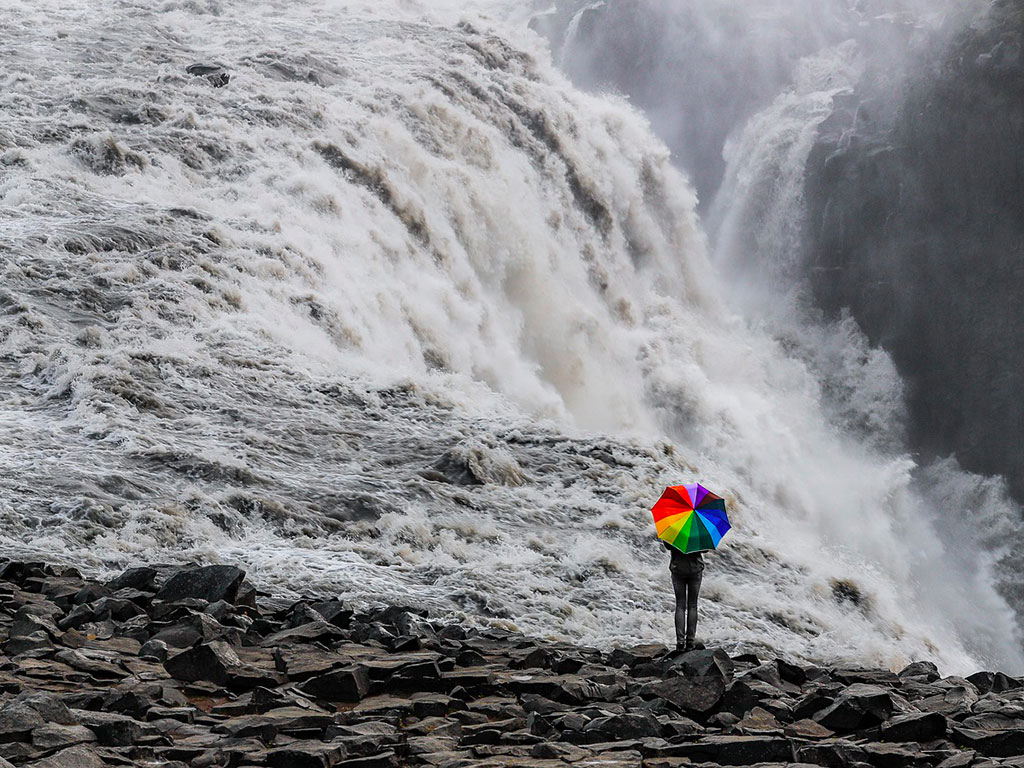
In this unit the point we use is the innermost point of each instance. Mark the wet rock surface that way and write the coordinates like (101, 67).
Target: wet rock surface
(249, 682)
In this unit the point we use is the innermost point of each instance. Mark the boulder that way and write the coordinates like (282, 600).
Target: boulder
(18, 723)
(210, 583)
(142, 578)
(744, 694)
(73, 757)
(51, 736)
(894, 755)
(306, 754)
(317, 631)
(287, 720)
(926, 726)
(995, 682)
(217, 662)
(858, 706)
(736, 750)
(831, 753)
(807, 729)
(622, 727)
(757, 721)
(923, 670)
(350, 683)
(113, 730)
(706, 663)
(214, 74)
(1005, 743)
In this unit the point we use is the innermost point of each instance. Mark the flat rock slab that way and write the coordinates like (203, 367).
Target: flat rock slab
(736, 750)
(73, 757)
(210, 583)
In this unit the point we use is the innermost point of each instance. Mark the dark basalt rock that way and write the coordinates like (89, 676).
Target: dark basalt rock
(692, 695)
(350, 683)
(218, 663)
(1006, 743)
(74, 757)
(214, 74)
(737, 750)
(315, 695)
(142, 579)
(858, 706)
(927, 726)
(112, 729)
(622, 727)
(921, 670)
(995, 682)
(52, 737)
(210, 583)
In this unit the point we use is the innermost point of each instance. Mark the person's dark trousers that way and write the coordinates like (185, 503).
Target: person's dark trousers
(686, 584)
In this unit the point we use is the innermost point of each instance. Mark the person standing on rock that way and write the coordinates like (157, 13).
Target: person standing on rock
(690, 520)
(687, 571)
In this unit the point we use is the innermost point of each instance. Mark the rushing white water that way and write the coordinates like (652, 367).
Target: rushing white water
(400, 314)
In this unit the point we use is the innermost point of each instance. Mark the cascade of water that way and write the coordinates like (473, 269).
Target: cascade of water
(401, 313)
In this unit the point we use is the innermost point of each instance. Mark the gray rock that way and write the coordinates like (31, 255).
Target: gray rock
(959, 760)
(74, 757)
(706, 663)
(214, 74)
(18, 723)
(216, 662)
(1006, 743)
(995, 682)
(314, 631)
(695, 695)
(350, 683)
(926, 726)
(111, 729)
(51, 736)
(832, 753)
(142, 578)
(920, 669)
(28, 643)
(622, 727)
(154, 649)
(46, 706)
(736, 750)
(742, 695)
(807, 729)
(210, 583)
(858, 706)
(288, 720)
(33, 618)
(757, 721)
(306, 754)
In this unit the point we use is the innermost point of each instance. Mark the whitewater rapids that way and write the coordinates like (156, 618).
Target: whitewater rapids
(400, 315)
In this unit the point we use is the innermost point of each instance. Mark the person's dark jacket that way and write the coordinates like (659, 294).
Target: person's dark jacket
(683, 563)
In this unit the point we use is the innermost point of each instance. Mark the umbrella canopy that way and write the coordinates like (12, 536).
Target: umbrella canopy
(690, 517)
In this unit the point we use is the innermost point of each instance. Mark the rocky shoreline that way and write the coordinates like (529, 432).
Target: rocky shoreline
(177, 666)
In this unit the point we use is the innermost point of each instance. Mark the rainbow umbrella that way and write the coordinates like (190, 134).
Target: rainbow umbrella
(690, 517)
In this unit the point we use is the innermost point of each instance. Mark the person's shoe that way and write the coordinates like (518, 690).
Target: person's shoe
(694, 645)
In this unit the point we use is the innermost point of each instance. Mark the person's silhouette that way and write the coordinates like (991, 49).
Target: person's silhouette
(687, 571)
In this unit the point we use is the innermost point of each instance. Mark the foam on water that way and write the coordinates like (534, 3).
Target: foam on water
(399, 314)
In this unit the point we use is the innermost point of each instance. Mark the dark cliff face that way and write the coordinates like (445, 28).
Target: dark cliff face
(916, 223)
(697, 69)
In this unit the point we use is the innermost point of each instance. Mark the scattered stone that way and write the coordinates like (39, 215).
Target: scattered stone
(52, 737)
(214, 74)
(858, 706)
(927, 726)
(74, 757)
(347, 684)
(210, 583)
